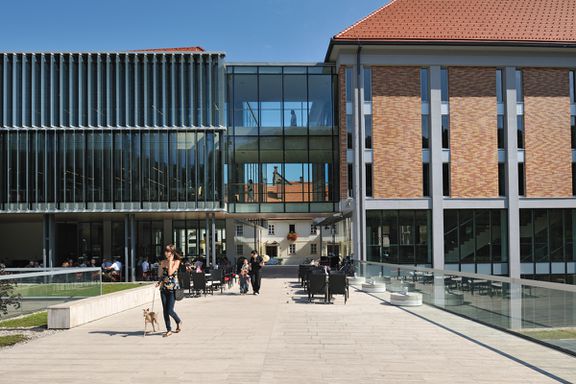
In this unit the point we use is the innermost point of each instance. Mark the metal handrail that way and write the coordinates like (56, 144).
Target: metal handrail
(502, 279)
(47, 272)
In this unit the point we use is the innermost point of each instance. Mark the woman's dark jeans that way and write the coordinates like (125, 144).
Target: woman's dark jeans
(168, 297)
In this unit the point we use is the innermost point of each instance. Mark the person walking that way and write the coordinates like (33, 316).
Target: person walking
(256, 264)
(168, 283)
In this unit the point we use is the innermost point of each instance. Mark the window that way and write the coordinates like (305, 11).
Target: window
(239, 250)
(520, 101)
(369, 180)
(500, 107)
(271, 229)
(501, 179)
(292, 228)
(521, 180)
(292, 249)
(239, 230)
(425, 96)
(446, 179)
(313, 249)
(426, 179)
(368, 111)
(313, 229)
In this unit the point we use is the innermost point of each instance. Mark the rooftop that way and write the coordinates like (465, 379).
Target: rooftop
(177, 49)
(520, 21)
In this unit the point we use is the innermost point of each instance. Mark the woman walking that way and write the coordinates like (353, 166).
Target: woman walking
(168, 283)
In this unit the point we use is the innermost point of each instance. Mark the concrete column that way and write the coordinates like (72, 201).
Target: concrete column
(107, 238)
(133, 239)
(230, 240)
(358, 165)
(436, 190)
(213, 238)
(168, 233)
(127, 229)
(511, 141)
(207, 239)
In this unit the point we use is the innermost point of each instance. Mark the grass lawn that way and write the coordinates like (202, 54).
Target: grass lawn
(6, 341)
(38, 319)
(116, 287)
(553, 334)
(72, 289)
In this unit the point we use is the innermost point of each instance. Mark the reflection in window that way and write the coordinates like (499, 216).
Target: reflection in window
(399, 237)
(475, 236)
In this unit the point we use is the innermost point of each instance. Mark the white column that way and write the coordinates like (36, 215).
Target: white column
(358, 166)
(511, 127)
(436, 190)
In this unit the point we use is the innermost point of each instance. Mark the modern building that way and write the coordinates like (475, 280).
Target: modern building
(457, 132)
(436, 133)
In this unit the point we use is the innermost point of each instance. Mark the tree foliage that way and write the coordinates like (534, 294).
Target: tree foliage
(8, 297)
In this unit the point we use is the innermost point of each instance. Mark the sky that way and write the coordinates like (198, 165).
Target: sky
(246, 30)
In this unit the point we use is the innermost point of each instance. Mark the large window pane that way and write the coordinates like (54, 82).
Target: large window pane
(295, 104)
(320, 104)
(270, 93)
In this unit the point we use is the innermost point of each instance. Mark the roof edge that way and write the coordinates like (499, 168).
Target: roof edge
(450, 43)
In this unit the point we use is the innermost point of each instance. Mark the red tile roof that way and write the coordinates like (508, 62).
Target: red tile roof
(537, 21)
(180, 49)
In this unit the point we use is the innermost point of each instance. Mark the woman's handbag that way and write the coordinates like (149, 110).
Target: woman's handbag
(179, 294)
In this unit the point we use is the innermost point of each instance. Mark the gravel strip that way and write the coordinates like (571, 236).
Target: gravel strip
(31, 333)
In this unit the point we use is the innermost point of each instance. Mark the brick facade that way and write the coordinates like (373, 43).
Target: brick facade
(397, 132)
(547, 133)
(343, 134)
(473, 132)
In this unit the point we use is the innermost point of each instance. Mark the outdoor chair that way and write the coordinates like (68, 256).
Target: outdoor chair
(338, 285)
(200, 284)
(185, 281)
(217, 279)
(317, 285)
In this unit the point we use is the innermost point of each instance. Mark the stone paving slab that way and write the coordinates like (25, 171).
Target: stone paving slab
(279, 338)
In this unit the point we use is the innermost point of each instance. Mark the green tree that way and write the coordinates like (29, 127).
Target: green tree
(8, 298)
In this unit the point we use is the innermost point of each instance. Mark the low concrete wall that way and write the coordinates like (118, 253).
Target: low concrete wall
(75, 313)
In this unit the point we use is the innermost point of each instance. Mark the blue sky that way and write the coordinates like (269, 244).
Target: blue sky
(247, 30)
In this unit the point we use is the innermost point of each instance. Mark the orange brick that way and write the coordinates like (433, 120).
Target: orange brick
(473, 132)
(547, 132)
(397, 132)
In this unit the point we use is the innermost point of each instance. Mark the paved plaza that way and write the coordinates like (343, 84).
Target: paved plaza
(278, 337)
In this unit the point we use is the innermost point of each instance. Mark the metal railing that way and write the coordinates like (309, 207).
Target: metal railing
(538, 310)
(41, 287)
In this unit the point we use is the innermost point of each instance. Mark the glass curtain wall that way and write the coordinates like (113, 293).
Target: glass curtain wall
(476, 241)
(399, 237)
(547, 244)
(283, 139)
(111, 170)
(190, 237)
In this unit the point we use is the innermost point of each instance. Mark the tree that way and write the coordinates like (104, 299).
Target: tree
(8, 298)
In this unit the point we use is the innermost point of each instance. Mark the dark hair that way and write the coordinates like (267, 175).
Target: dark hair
(172, 249)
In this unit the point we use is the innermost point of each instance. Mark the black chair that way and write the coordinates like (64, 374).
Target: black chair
(217, 279)
(338, 285)
(307, 271)
(317, 285)
(200, 284)
(185, 281)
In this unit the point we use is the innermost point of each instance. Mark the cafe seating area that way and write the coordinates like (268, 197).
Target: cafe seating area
(321, 281)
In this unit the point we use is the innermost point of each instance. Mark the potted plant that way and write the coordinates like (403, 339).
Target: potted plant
(292, 236)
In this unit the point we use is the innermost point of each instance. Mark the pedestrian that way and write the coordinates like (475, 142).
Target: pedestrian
(168, 283)
(256, 264)
(244, 277)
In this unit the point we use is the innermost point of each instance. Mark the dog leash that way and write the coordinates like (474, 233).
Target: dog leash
(153, 299)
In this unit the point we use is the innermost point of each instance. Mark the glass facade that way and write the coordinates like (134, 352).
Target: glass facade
(399, 237)
(283, 139)
(547, 244)
(111, 131)
(106, 170)
(476, 241)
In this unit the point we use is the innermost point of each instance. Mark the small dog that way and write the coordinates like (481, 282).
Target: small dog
(149, 317)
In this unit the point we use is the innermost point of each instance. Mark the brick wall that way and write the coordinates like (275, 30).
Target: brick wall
(397, 132)
(473, 132)
(547, 133)
(343, 134)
